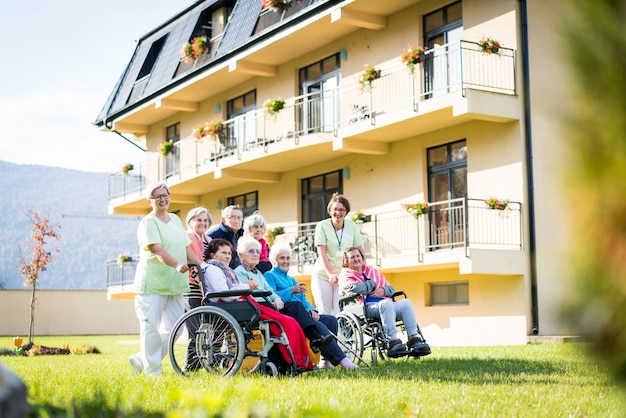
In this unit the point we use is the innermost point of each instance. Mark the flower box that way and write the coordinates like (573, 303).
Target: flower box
(193, 49)
(368, 75)
(416, 209)
(412, 55)
(489, 45)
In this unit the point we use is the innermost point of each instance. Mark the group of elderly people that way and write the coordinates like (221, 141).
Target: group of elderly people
(235, 255)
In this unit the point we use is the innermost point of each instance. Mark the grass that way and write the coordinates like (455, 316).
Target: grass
(551, 380)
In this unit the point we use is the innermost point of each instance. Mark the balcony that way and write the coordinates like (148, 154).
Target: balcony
(458, 233)
(455, 84)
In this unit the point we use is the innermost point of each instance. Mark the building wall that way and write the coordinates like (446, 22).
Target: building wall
(66, 312)
(500, 306)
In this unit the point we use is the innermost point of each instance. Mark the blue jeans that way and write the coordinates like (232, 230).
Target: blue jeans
(389, 312)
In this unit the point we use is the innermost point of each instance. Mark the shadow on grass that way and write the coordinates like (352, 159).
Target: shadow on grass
(474, 371)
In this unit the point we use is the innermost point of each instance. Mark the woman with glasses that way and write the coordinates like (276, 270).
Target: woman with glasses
(160, 279)
(332, 237)
(249, 251)
(217, 276)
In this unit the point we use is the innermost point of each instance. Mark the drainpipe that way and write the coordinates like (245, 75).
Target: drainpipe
(528, 142)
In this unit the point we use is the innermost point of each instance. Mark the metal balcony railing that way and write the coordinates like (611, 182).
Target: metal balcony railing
(121, 275)
(446, 225)
(447, 69)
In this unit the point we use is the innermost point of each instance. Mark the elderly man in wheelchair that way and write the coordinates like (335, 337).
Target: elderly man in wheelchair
(372, 289)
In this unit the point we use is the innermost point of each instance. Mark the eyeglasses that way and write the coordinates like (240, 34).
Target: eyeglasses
(161, 196)
(254, 251)
(235, 218)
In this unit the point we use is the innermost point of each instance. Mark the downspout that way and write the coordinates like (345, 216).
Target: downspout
(528, 142)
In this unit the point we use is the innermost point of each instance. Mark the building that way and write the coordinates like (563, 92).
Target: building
(279, 107)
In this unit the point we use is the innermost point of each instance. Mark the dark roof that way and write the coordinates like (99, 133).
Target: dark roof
(174, 34)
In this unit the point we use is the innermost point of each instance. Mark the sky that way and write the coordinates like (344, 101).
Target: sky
(59, 62)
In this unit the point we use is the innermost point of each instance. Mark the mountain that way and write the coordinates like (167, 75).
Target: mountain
(77, 201)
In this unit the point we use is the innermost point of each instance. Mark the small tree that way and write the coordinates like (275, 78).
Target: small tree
(42, 231)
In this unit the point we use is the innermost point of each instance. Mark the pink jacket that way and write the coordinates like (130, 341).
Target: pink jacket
(348, 277)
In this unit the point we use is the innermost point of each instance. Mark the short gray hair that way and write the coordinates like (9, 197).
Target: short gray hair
(279, 248)
(155, 186)
(254, 220)
(244, 242)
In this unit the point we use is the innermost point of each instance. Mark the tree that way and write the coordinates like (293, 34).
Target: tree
(42, 231)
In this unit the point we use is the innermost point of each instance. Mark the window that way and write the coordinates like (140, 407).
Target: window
(456, 293)
(316, 193)
(318, 83)
(442, 31)
(172, 161)
(146, 70)
(241, 115)
(249, 202)
(447, 181)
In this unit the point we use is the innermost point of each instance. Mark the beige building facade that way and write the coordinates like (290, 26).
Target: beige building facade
(463, 127)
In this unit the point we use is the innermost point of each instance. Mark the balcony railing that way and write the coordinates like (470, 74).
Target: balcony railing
(448, 225)
(121, 275)
(451, 68)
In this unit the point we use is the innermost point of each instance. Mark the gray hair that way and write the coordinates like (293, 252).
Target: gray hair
(193, 213)
(279, 248)
(228, 209)
(151, 188)
(254, 220)
(244, 242)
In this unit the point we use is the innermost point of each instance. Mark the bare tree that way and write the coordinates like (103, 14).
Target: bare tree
(42, 231)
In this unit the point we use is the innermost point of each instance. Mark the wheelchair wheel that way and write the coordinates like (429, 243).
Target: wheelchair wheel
(207, 338)
(350, 335)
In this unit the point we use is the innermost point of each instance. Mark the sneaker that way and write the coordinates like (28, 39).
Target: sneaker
(418, 346)
(135, 364)
(396, 349)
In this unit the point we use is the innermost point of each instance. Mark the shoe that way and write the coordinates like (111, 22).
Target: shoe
(320, 342)
(418, 346)
(396, 349)
(135, 364)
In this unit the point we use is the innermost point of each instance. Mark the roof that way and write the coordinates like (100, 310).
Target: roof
(155, 65)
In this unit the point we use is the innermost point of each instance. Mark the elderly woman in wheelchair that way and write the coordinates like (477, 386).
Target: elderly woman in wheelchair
(220, 332)
(371, 288)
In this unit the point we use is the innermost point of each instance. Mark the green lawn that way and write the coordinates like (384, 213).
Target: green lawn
(551, 380)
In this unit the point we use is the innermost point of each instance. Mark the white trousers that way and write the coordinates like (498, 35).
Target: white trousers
(157, 315)
(325, 296)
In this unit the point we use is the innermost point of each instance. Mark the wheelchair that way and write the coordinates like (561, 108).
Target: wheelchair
(357, 332)
(217, 336)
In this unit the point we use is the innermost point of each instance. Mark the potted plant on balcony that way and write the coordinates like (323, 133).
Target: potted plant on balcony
(214, 128)
(123, 259)
(416, 209)
(272, 233)
(368, 75)
(166, 148)
(200, 131)
(488, 45)
(274, 106)
(497, 204)
(277, 5)
(360, 218)
(192, 50)
(127, 169)
(412, 55)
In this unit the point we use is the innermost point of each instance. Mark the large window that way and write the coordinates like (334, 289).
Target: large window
(316, 193)
(318, 83)
(241, 129)
(172, 161)
(447, 181)
(248, 202)
(442, 31)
